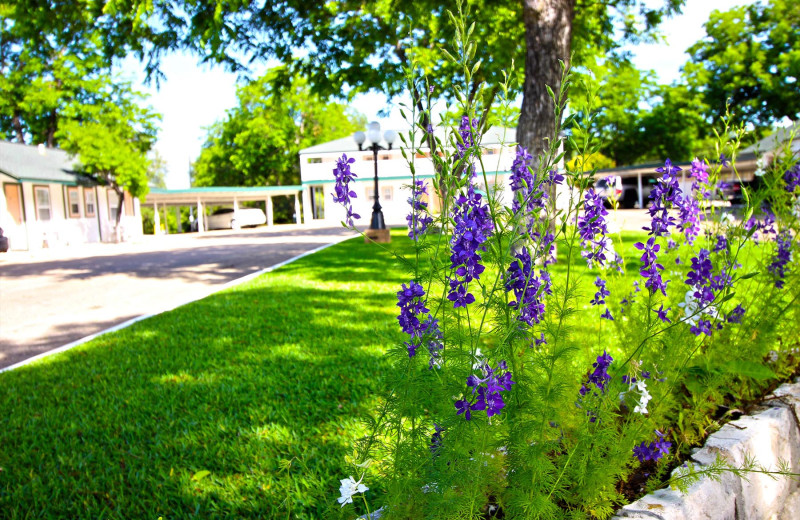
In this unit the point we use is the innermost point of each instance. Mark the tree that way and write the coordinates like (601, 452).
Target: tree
(359, 46)
(258, 142)
(157, 171)
(111, 141)
(750, 59)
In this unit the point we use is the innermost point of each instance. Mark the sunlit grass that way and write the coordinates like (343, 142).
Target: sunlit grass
(242, 404)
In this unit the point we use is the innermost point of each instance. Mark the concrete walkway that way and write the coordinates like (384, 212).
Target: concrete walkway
(52, 297)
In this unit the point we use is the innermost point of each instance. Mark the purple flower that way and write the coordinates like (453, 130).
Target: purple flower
(653, 451)
(592, 228)
(665, 194)
(662, 314)
(703, 327)
(540, 340)
(792, 178)
(607, 315)
(736, 314)
(412, 308)
(722, 244)
(651, 269)
(529, 290)
(599, 377)
(342, 192)
(473, 226)
(782, 257)
(418, 219)
(467, 131)
(486, 391)
(436, 439)
(602, 292)
(723, 160)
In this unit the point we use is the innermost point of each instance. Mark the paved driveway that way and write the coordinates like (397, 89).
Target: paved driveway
(53, 297)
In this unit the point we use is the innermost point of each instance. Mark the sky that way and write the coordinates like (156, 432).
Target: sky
(193, 96)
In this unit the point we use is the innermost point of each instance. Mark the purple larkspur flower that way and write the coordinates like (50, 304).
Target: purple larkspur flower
(473, 227)
(665, 195)
(419, 219)
(467, 131)
(342, 192)
(654, 451)
(599, 377)
(703, 327)
(792, 178)
(436, 439)
(662, 314)
(735, 316)
(651, 269)
(486, 391)
(607, 315)
(721, 243)
(529, 290)
(783, 256)
(602, 292)
(724, 160)
(592, 228)
(540, 340)
(415, 323)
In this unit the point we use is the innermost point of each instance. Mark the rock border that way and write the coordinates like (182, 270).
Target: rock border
(771, 435)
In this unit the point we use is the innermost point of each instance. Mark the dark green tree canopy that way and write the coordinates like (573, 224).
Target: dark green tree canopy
(750, 59)
(257, 144)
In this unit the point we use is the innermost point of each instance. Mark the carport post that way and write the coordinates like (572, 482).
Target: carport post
(156, 220)
(297, 216)
(639, 189)
(268, 203)
(200, 217)
(166, 222)
(235, 206)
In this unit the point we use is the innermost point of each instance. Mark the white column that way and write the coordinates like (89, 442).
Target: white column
(308, 214)
(639, 189)
(166, 222)
(270, 212)
(156, 220)
(235, 206)
(297, 216)
(200, 217)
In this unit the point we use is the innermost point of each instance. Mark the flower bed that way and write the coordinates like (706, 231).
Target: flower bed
(545, 367)
(771, 437)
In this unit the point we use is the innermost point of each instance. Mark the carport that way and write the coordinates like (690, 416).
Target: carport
(200, 198)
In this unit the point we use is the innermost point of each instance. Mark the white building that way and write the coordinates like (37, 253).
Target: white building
(45, 203)
(394, 176)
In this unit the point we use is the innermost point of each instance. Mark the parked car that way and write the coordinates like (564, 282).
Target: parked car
(228, 218)
(3, 242)
(623, 191)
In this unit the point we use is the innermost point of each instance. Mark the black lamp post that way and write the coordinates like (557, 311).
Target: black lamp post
(374, 136)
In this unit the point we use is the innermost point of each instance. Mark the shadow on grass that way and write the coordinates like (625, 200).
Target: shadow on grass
(261, 387)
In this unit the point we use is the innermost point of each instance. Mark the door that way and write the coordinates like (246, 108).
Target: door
(14, 219)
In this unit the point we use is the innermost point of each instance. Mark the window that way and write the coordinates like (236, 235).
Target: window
(385, 157)
(88, 198)
(74, 199)
(318, 202)
(386, 193)
(42, 195)
(113, 205)
(314, 160)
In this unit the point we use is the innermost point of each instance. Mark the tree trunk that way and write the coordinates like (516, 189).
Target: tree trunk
(16, 123)
(120, 209)
(51, 130)
(548, 37)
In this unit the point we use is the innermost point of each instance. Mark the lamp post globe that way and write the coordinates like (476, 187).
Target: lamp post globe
(377, 227)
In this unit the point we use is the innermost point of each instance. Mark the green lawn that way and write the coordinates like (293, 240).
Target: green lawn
(242, 404)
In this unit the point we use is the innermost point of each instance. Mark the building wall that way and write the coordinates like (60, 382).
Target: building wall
(64, 228)
(394, 177)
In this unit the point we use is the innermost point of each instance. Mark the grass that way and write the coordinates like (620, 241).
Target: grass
(243, 404)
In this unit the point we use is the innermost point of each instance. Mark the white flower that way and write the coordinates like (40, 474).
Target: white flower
(760, 171)
(691, 309)
(349, 488)
(644, 398)
(796, 208)
(772, 357)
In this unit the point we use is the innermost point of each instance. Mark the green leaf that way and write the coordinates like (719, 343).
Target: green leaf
(200, 475)
(749, 369)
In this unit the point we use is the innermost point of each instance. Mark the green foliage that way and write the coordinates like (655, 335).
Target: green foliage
(750, 60)
(257, 144)
(111, 140)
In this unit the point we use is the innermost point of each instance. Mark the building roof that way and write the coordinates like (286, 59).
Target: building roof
(217, 194)
(495, 135)
(774, 141)
(38, 164)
